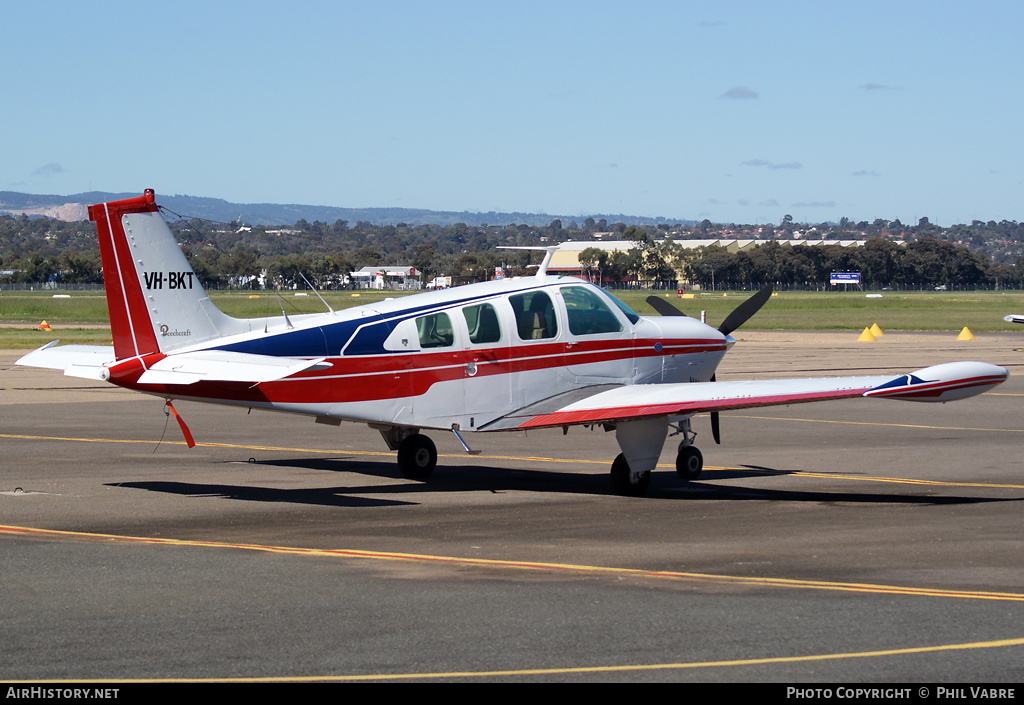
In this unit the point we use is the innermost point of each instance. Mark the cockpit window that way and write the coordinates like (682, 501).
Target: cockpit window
(535, 315)
(588, 312)
(482, 322)
(435, 331)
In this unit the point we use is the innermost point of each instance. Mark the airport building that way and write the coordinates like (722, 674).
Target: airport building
(566, 259)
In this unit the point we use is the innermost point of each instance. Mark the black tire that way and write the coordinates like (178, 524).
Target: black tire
(689, 463)
(417, 457)
(622, 481)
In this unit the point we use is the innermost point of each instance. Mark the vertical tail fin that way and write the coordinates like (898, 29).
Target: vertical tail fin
(155, 300)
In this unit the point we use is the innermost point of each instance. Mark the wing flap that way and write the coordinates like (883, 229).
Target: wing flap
(224, 366)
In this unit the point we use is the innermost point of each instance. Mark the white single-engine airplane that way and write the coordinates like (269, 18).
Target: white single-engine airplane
(527, 353)
(1014, 318)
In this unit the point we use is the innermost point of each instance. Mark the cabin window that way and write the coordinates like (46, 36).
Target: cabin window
(588, 313)
(535, 315)
(482, 322)
(435, 331)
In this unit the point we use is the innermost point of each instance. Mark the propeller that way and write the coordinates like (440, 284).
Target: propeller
(745, 310)
(740, 315)
(663, 307)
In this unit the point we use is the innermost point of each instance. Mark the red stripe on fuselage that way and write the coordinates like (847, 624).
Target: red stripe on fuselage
(376, 377)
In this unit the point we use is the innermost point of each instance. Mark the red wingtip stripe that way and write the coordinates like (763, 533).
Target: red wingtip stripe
(936, 389)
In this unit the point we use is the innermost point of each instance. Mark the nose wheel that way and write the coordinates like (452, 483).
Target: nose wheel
(689, 463)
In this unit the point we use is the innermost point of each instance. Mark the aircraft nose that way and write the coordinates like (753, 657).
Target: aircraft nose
(729, 341)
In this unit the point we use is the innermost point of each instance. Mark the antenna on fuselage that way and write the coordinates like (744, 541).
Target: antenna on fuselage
(542, 270)
(287, 321)
(316, 292)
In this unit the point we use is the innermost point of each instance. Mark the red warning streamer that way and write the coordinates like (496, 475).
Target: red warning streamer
(184, 429)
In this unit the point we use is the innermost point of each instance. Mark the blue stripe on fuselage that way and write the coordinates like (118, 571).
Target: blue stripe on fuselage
(366, 333)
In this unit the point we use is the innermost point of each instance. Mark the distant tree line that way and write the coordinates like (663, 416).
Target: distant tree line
(881, 263)
(38, 250)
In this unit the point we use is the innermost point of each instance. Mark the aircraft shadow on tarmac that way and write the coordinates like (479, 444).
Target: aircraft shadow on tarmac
(469, 478)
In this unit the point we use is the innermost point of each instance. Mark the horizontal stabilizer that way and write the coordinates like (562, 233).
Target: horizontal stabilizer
(224, 366)
(85, 361)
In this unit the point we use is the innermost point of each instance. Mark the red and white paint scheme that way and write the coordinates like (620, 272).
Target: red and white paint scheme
(507, 355)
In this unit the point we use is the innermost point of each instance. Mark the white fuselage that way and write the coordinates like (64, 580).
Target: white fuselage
(464, 357)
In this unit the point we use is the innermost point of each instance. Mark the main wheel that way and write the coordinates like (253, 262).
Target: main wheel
(622, 479)
(417, 457)
(689, 463)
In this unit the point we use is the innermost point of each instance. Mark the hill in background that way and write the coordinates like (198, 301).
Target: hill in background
(74, 207)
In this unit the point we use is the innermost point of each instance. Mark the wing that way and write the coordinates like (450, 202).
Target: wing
(939, 383)
(93, 362)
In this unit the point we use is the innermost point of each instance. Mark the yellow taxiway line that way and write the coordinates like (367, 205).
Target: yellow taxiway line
(556, 568)
(563, 568)
(542, 459)
(994, 644)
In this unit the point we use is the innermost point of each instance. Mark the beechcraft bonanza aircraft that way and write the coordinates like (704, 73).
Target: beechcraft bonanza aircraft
(534, 352)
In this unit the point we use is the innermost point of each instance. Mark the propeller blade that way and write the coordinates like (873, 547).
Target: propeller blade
(715, 431)
(745, 310)
(663, 307)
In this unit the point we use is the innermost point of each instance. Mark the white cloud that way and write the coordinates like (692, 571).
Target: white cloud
(815, 204)
(773, 165)
(740, 93)
(51, 169)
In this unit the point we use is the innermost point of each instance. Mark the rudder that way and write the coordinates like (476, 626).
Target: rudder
(155, 300)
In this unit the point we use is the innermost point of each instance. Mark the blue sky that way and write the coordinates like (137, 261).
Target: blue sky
(733, 111)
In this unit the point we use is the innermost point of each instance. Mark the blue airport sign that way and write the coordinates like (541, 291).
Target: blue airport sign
(845, 278)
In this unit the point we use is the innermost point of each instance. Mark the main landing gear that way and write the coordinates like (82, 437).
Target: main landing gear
(641, 442)
(417, 454)
(689, 464)
(417, 457)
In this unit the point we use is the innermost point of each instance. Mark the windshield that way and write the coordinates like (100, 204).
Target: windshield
(630, 313)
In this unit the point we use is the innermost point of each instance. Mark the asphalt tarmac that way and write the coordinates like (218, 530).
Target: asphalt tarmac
(851, 541)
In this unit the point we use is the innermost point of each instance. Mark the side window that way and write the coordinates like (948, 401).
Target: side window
(482, 322)
(588, 313)
(535, 315)
(435, 331)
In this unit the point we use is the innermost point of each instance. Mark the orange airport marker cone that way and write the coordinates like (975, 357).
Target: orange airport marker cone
(44, 326)
(965, 334)
(867, 337)
(876, 331)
